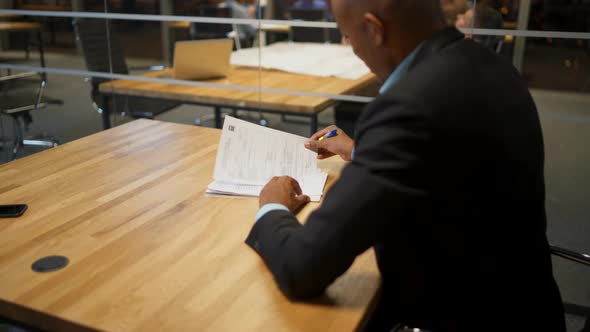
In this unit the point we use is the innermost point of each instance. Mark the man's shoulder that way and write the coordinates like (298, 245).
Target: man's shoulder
(461, 73)
(458, 65)
(463, 83)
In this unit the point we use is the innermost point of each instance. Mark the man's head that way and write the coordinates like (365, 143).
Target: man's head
(383, 32)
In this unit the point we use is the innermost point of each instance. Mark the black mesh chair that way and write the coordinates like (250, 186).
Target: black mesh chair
(211, 30)
(486, 17)
(569, 308)
(583, 259)
(106, 56)
(17, 101)
(310, 35)
(214, 30)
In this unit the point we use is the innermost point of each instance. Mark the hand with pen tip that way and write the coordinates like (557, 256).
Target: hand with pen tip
(329, 142)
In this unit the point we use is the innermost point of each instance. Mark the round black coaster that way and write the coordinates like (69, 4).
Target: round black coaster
(50, 263)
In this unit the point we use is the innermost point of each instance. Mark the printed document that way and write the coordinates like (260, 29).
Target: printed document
(249, 155)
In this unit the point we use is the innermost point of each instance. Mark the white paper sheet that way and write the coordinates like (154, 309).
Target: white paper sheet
(249, 155)
(313, 186)
(313, 59)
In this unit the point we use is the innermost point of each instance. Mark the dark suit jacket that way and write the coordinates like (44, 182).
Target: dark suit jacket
(447, 186)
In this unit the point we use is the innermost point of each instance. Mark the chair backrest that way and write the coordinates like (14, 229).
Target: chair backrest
(101, 48)
(334, 36)
(312, 35)
(486, 17)
(211, 30)
(100, 45)
(280, 10)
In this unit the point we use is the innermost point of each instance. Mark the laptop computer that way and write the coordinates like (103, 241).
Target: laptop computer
(202, 59)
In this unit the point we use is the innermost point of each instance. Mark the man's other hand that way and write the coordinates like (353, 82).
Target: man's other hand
(283, 190)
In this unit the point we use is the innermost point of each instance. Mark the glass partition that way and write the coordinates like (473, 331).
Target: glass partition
(289, 59)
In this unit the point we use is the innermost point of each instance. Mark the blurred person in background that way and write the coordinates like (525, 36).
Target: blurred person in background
(221, 8)
(311, 4)
(245, 10)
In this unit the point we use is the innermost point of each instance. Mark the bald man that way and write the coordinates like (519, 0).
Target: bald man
(445, 183)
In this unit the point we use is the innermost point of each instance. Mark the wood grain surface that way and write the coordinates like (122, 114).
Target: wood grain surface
(278, 28)
(4, 16)
(250, 77)
(19, 26)
(263, 27)
(148, 250)
(179, 24)
(65, 8)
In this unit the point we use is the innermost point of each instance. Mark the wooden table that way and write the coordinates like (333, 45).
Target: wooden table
(179, 24)
(4, 16)
(49, 21)
(148, 250)
(19, 26)
(241, 100)
(31, 27)
(509, 25)
(275, 28)
(47, 7)
(264, 29)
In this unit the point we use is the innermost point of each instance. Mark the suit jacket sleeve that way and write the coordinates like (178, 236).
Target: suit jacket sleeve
(366, 203)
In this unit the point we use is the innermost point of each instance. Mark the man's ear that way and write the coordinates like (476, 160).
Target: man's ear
(374, 28)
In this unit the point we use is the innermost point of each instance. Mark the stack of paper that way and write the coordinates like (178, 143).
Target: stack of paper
(250, 155)
(304, 58)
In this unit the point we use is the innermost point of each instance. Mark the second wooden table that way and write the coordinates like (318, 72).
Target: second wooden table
(256, 101)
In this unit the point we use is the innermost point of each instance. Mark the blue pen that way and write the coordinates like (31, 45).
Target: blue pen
(329, 135)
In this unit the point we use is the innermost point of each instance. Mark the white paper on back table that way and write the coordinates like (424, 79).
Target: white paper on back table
(312, 59)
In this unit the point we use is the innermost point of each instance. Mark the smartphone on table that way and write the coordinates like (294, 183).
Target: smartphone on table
(13, 210)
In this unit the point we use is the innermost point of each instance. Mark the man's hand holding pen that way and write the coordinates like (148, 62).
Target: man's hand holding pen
(285, 190)
(329, 142)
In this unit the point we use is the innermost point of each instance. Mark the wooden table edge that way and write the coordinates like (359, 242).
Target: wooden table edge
(111, 88)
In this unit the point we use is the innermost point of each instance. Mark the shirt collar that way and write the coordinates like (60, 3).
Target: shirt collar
(400, 71)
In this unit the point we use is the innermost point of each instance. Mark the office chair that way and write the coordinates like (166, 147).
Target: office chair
(50, 22)
(494, 43)
(210, 30)
(486, 17)
(106, 56)
(583, 259)
(216, 31)
(309, 35)
(17, 103)
(570, 255)
(569, 308)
